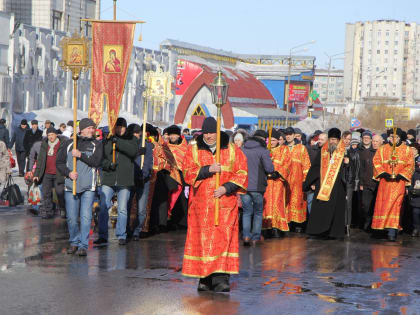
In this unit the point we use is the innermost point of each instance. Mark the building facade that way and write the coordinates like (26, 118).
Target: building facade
(382, 62)
(329, 85)
(56, 15)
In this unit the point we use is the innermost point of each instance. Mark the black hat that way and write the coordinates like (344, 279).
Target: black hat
(2, 121)
(260, 133)
(276, 134)
(209, 125)
(334, 133)
(24, 122)
(70, 123)
(51, 130)
(173, 130)
(34, 122)
(289, 131)
(411, 132)
(151, 130)
(121, 122)
(86, 122)
(399, 133)
(133, 128)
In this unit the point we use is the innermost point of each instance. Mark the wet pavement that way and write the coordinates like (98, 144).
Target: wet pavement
(292, 275)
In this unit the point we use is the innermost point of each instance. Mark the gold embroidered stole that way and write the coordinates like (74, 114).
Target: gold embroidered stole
(330, 169)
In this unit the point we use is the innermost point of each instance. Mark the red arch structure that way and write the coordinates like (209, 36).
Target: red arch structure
(245, 91)
(204, 79)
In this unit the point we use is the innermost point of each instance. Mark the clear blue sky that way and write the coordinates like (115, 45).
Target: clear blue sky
(257, 26)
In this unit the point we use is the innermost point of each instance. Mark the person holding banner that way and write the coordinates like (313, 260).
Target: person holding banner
(212, 251)
(89, 158)
(328, 174)
(117, 177)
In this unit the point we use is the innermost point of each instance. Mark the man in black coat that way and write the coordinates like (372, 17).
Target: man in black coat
(326, 219)
(31, 136)
(17, 141)
(4, 133)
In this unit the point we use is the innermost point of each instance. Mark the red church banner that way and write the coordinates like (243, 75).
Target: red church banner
(112, 43)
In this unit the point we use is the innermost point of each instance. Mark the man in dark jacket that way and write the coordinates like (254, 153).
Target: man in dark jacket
(414, 194)
(259, 166)
(368, 186)
(46, 174)
(117, 177)
(17, 141)
(4, 133)
(142, 173)
(31, 136)
(79, 206)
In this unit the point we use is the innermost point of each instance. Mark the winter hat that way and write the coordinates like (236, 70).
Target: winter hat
(209, 125)
(355, 137)
(34, 122)
(51, 130)
(24, 122)
(261, 133)
(289, 131)
(367, 133)
(334, 133)
(173, 130)
(86, 122)
(121, 122)
(411, 132)
(239, 136)
(275, 134)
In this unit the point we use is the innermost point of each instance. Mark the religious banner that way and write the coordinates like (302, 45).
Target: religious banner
(159, 87)
(111, 50)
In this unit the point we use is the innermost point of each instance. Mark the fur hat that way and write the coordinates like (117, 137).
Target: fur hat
(334, 133)
(209, 125)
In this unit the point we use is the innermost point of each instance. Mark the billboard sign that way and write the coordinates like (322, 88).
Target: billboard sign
(299, 98)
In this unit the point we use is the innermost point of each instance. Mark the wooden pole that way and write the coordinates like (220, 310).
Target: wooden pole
(217, 201)
(115, 10)
(75, 78)
(270, 133)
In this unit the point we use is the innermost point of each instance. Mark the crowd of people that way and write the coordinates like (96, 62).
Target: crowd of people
(269, 183)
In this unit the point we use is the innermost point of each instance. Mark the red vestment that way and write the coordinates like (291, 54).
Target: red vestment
(209, 248)
(391, 192)
(274, 214)
(295, 198)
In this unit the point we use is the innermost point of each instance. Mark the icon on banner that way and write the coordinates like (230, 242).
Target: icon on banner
(355, 123)
(389, 123)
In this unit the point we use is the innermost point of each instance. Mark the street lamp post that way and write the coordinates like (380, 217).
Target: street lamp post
(219, 89)
(292, 50)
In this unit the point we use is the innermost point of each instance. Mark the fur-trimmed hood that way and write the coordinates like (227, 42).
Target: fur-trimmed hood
(243, 132)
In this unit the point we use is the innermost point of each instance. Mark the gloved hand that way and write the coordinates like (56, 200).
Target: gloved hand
(113, 166)
(114, 139)
(142, 150)
(275, 175)
(386, 176)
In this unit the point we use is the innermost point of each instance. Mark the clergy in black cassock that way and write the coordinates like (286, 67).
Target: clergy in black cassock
(328, 174)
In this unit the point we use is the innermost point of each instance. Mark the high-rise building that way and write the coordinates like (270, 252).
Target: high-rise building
(382, 62)
(57, 15)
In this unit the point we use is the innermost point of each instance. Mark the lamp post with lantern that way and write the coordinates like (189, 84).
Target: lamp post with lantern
(219, 89)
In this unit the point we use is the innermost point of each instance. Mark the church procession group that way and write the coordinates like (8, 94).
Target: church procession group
(264, 185)
(271, 184)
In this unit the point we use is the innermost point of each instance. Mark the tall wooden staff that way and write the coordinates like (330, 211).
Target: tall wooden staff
(75, 57)
(219, 96)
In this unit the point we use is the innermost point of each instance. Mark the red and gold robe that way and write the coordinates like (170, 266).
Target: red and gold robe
(391, 193)
(295, 198)
(209, 248)
(274, 214)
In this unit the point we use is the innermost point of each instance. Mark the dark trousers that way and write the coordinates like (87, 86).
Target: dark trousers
(368, 204)
(21, 160)
(49, 182)
(416, 218)
(349, 204)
